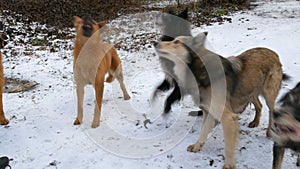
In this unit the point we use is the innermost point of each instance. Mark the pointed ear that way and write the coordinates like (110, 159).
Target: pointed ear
(184, 14)
(101, 24)
(199, 40)
(76, 21)
(2, 43)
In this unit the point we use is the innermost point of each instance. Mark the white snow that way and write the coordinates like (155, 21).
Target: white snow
(41, 132)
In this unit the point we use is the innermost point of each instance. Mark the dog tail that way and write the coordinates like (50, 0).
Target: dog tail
(286, 77)
(235, 64)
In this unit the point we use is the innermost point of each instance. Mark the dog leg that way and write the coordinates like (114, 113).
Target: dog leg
(80, 97)
(174, 96)
(3, 120)
(99, 88)
(207, 125)
(164, 86)
(258, 106)
(270, 103)
(270, 92)
(120, 78)
(298, 160)
(230, 132)
(278, 153)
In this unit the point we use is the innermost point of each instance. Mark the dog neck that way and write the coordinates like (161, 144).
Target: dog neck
(208, 58)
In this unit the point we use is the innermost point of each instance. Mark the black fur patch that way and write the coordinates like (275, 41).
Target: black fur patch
(174, 96)
(167, 38)
(164, 86)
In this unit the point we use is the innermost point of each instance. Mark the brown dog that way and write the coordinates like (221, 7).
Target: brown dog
(3, 120)
(93, 59)
(222, 87)
(286, 127)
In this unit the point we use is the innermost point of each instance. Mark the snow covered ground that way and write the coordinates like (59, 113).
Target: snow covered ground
(41, 132)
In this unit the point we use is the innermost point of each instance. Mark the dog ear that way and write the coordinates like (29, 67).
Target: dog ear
(184, 14)
(199, 40)
(76, 20)
(2, 41)
(101, 24)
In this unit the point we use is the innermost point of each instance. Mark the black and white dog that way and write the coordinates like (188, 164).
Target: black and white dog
(172, 25)
(286, 128)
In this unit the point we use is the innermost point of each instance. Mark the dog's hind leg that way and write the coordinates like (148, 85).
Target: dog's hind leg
(174, 96)
(80, 96)
(258, 106)
(230, 131)
(3, 120)
(119, 76)
(270, 92)
(208, 124)
(99, 88)
(278, 153)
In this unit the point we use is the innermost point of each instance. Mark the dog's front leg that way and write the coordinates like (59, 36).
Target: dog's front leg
(99, 87)
(164, 86)
(208, 124)
(278, 153)
(174, 96)
(230, 132)
(3, 120)
(80, 96)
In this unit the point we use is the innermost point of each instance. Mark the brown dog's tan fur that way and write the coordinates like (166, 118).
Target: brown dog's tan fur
(255, 72)
(93, 59)
(3, 120)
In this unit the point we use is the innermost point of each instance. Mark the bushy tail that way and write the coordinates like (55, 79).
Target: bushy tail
(286, 77)
(235, 64)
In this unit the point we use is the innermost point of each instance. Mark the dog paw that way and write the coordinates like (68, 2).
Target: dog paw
(229, 166)
(194, 147)
(95, 124)
(127, 97)
(253, 124)
(4, 121)
(77, 122)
